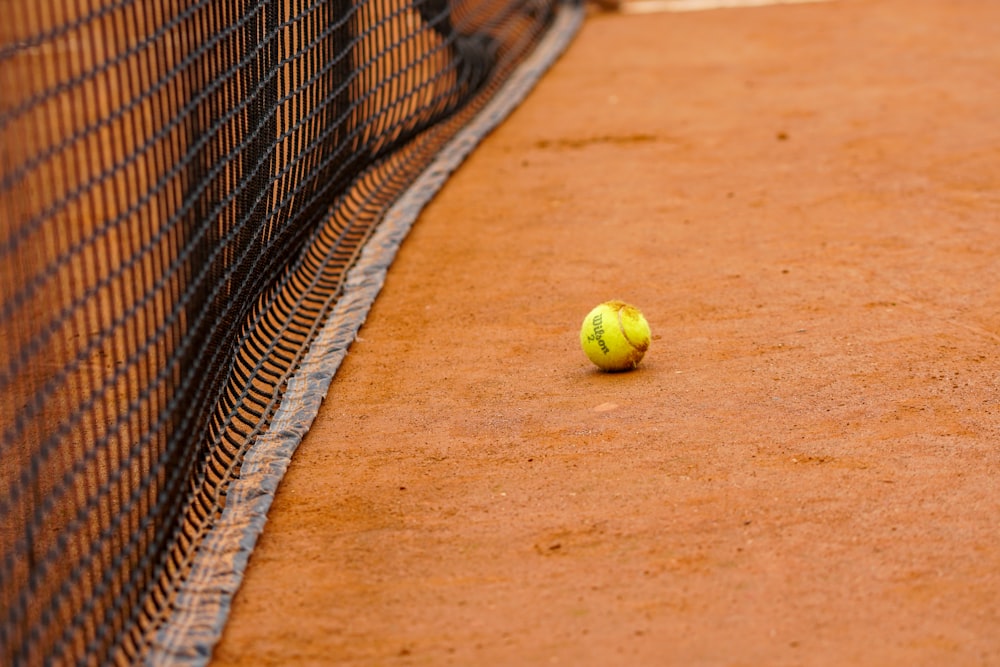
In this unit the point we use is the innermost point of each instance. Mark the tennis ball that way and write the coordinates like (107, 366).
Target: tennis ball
(615, 336)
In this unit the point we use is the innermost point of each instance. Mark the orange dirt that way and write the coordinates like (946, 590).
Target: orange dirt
(803, 471)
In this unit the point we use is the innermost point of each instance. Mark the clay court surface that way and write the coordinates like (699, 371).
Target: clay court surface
(804, 200)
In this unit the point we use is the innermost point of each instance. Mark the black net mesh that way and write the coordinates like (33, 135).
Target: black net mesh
(183, 185)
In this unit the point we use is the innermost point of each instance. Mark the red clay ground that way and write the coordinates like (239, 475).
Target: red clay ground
(804, 200)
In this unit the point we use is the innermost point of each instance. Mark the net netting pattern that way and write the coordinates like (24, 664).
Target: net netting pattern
(183, 186)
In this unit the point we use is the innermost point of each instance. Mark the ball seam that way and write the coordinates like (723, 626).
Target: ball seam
(621, 327)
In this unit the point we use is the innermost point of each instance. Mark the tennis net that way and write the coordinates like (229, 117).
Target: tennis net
(184, 185)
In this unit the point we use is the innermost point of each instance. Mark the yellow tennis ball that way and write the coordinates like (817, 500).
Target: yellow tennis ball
(615, 336)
